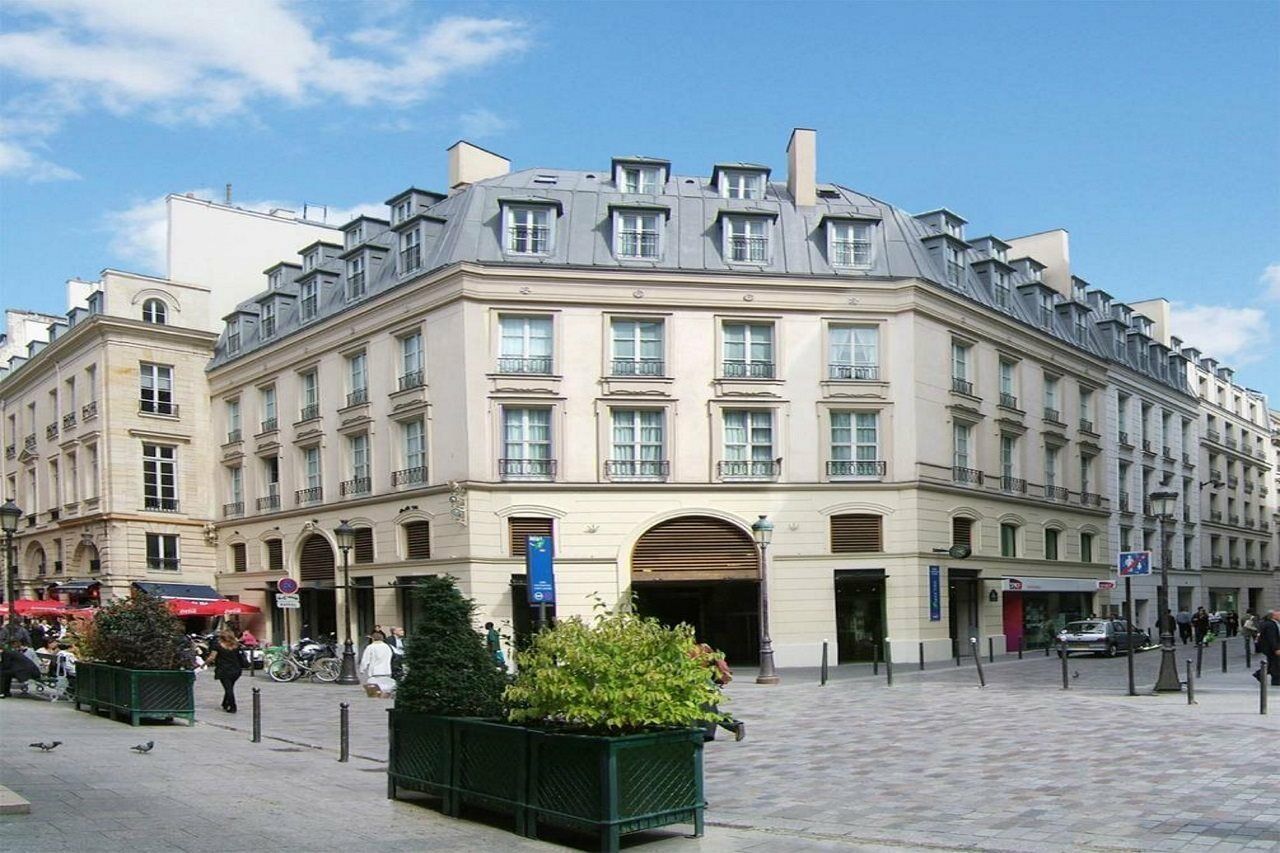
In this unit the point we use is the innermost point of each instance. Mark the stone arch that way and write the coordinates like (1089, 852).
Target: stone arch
(695, 547)
(315, 559)
(34, 559)
(85, 557)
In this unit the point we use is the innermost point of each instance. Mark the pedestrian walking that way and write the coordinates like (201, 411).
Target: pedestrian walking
(1269, 646)
(493, 642)
(396, 643)
(375, 667)
(720, 676)
(15, 666)
(1200, 624)
(1250, 626)
(1184, 625)
(1233, 623)
(225, 657)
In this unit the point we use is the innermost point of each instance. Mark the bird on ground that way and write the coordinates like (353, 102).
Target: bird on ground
(144, 748)
(46, 747)
(1075, 674)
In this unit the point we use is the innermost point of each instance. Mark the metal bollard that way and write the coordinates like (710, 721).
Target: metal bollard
(823, 680)
(991, 649)
(955, 646)
(1046, 648)
(875, 658)
(257, 716)
(1263, 679)
(344, 732)
(922, 656)
(888, 665)
(1248, 654)
(1199, 656)
(1191, 684)
(1062, 653)
(977, 661)
(1224, 655)
(1022, 644)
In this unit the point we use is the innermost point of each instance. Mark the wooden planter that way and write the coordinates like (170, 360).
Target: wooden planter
(139, 694)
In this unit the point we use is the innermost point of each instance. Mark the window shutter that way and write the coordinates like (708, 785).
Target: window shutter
(275, 555)
(696, 548)
(523, 527)
(417, 537)
(317, 560)
(962, 531)
(364, 544)
(239, 559)
(857, 533)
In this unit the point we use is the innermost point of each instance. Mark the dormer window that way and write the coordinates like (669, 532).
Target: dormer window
(999, 252)
(354, 236)
(529, 230)
(410, 251)
(640, 179)
(275, 279)
(746, 239)
(267, 321)
(954, 227)
(955, 265)
(1079, 327)
(1000, 288)
(355, 278)
(637, 234)
(310, 260)
(233, 337)
(739, 184)
(308, 299)
(1046, 309)
(849, 244)
(155, 311)
(401, 211)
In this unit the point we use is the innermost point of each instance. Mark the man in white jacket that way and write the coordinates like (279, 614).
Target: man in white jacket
(375, 667)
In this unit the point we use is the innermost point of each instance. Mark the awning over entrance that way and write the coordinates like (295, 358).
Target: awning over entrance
(76, 587)
(188, 591)
(1022, 584)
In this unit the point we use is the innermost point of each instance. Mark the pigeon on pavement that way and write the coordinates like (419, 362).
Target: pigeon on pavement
(46, 747)
(1075, 674)
(144, 748)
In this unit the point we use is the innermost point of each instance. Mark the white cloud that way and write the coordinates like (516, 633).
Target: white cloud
(481, 122)
(1238, 335)
(199, 62)
(1270, 280)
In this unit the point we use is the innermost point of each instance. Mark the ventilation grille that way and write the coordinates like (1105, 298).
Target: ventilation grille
(523, 527)
(417, 537)
(856, 534)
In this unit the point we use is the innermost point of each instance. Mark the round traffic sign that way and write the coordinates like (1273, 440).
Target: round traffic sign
(288, 586)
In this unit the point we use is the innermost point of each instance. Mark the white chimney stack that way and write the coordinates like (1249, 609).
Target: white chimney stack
(470, 163)
(802, 166)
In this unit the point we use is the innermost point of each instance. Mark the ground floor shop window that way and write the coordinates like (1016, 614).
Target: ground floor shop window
(1035, 618)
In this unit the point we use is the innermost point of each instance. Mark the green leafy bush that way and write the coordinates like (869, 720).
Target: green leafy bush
(137, 632)
(621, 674)
(448, 671)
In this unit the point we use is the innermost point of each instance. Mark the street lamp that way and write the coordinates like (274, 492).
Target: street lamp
(762, 530)
(1163, 504)
(9, 515)
(346, 536)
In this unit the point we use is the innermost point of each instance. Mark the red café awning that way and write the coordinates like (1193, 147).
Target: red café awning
(221, 607)
(30, 607)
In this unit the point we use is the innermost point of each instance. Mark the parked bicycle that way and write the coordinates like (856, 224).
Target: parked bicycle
(310, 658)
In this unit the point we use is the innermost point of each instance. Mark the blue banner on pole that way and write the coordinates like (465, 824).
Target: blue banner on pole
(538, 566)
(935, 594)
(1134, 563)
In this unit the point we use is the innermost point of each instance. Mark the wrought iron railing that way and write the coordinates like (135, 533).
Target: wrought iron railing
(968, 476)
(637, 367)
(355, 486)
(1015, 485)
(270, 425)
(868, 372)
(155, 504)
(268, 503)
(1009, 401)
(233, 436)
(855, 468)
(637, 469)
(309, 413)
(309, 496)
(412, 379)
(961, 386)
(751, 469)
(527, 469)
(51, 431)
(538, 365)
(68, 420)
(1056, 493)
(89, 410)
(409, 476)
(233, 509)
(748, 369)
(1051, 414)
(358, 397)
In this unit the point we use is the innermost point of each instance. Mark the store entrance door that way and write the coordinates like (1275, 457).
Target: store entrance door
(724, 614)
(859, 614)
(962, 584)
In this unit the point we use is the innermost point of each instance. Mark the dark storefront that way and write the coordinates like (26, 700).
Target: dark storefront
(859, 598)
(1036, 609)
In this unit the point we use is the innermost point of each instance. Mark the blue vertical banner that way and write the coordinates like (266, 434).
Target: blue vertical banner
(538, 566)
(935, 594)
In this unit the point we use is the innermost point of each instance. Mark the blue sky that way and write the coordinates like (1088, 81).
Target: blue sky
(1150, 131)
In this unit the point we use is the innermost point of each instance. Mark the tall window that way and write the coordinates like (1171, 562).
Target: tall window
(73, 479)
(1050, 467)
(311, 467)
(235, 486)
(1008, 540)
(529, 230)
(358, 373)
(525, 344)
(855, 445)
(361, 481)
(640, 179)
(162, 552)
(746, 239)
(637, 235)
(1086, 547)
(1086, 409)
(1001, 290)
(268, 318)
(415, 445)
(310, 260)
(355, 277)
(853, 352)
(955, 265)
(410, 251)
(748, 443)
(526, 447)
(748, 350)
(637, 447)
(1008, 458)
(160, 477)
(961, 437)
(850, 243)
(1051, 398)
(1008, 388)
(1051, 544)
(961, 378)
(308, 298)
(271, 474)
(637, 347)
(268, 400)
(233, 420)
(310, 386)
(411, 361)
(735, 184)
(91, 480)
(157, 389)
(155, 311)
(233, 336)
(1086, 473)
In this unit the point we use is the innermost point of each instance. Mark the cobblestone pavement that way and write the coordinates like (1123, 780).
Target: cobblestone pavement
(932, 763)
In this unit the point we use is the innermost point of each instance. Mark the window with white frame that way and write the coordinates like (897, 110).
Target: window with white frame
(401, 211)
(1051, 411)
(311, 473)
(235, 487)
(748, 444)
(355, 277)
(525, 344)
(275, 279)
(233, 336)
(637, 447)
(855, 445)
(354, 236)
(309, 299)
(91, 478)
(637, 347)
(961, 357)
(156, 387)
(358, 454)
(746, 239)
(526, 443)
(410, 251)
(414, 442)
(1050, 467)
(955, 264)
(309, 383)
(741, 184)
(268, 401)
(640, 179)
(853, 351)
(162, 552)
(962, 439)
(310, 260)
(748, 350)
(1086, 408)
(268, 318)
(160, 477)
(1008, 458)
(529, 230)
(1079, 327)
(1086, 473)
(411, 361)
(1046, 309)
(637, 235)
(358, 378)
(1008, 383)
(155, 311)
(73, 478)
(849, 244)
(1000, 288)
(233, 420)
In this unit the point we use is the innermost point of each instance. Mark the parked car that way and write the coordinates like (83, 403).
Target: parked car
(1103, 636)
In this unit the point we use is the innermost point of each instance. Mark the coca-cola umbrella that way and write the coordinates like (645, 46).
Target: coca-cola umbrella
(186, 607)
(31, 607)
(227, 607)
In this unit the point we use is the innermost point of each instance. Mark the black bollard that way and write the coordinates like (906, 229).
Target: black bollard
(1262, 689)
(1022, 644)
(1248, 654)
(875, 658)
(1199, 656)
(823, 681)
(1062, 653)
(991, 649)
(922, 656)
(257, 716)
(344, 732)
(955, 647)
(1224, 655)
(1191, 684)
(977, 661)
(888, 665)
(1046, 649)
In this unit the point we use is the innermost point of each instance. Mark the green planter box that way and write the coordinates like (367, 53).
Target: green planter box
(608, 786)
(139, 694)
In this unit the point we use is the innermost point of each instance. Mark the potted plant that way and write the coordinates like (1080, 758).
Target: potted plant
(135, 660)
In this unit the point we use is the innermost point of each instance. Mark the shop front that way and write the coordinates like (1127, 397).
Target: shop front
(1036, 609)
(1224, 599)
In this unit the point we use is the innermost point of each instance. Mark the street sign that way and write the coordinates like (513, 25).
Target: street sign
(288, 602)
(1106, 584)
(538, 565)
(288, 586)
(1134, 563)
(935, 594)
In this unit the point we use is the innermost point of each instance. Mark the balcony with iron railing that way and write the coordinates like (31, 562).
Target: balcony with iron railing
(355, 487)
(1009, 401)
(861, 469)
(1059, 494)
(748, 370)
(1090, 499)
(416, 379)
(1264, 526)
(966, 476)
(1215, 474)
(409, 476)
(1086, 425)
(1248, 487)
(309, 413)
(535, 365)
(164, 408)
(637, 469)
(51, 431)
(1231, 442)
(68, 420)
(748, 250)
(89, 410)
(1186, 458)
(1215, 515)
(1123, 438)
(1213, 435)
(315, 494)
(152, 503)
(29, 443)
(358, 397)
(268, 425)
(1233, 520)
(748, 469)
(1167, 452)
(1013, 485)
(1124, 503)
(1250, 563)
(961, 386)
(527, 469)
(637, 367)
(233, 509)
(1216, 560)
(1052, 415)
(1235, 562)
(10, 452)
(861, 372)
(1248, 521)
(234, 436)
(269, 502)
(1147, 447)
(1232, 481)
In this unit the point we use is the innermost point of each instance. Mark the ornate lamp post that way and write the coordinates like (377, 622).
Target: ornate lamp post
(346, 536)
(1163, 504)
(9, 515)
(762, 530)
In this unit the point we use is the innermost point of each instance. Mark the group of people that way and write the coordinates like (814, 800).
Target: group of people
(1196, 627)
(1267, 631)
(32, 649)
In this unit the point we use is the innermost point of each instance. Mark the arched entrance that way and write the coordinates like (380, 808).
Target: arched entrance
(319, 610)
(705, 572)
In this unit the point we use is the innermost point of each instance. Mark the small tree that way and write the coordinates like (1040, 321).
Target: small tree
(448, 671)
(623, 674)
(137, 632)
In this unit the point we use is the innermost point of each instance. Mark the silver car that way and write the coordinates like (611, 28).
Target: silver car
(1103, 636)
